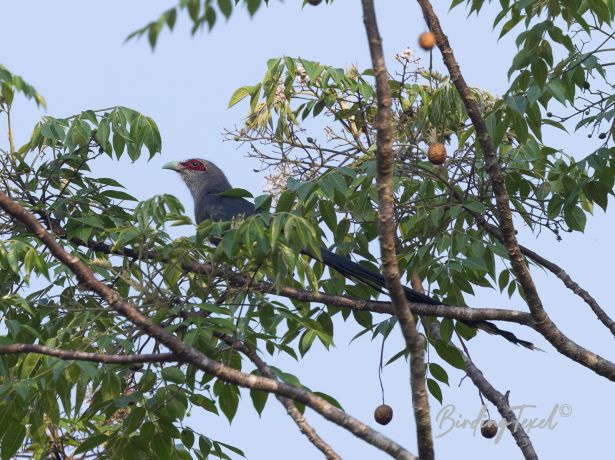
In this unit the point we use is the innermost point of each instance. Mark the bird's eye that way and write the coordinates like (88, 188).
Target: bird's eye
(195, 163)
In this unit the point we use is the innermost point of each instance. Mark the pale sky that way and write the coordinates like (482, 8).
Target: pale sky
(73, 53)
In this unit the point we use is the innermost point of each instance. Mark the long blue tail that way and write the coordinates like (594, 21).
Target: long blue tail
(359, 274)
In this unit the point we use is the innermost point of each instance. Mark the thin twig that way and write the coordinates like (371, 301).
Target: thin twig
(291, 409)
(557, 271)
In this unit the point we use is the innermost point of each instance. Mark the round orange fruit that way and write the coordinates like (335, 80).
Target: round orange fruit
(437, 153)
(427, 40)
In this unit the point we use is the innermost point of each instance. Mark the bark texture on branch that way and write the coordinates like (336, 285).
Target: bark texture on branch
(500, 401)
(76, 355)
(386, 236)
(484, 386)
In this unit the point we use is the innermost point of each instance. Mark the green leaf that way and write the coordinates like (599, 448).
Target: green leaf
(503, 279)
(173, 374)
(11, 83)
(236, 192)
(204, 446)
(286, 201)
(102, 135)
(307, 339)
(446, 329)
(204, 402)
(226, 6)
(554, 207)
(187, 437)
(29, 363)
(134, 419)
(466, 332)
(253, 5)
(434, 389)
(152, 33)
(240, 94)
(449, 353)
(558, 89)
(364, 318)
(119, 144)
(210, 16)
(475, 263)
(228, 400)
(92, 221)
(575, 218)
(330, 399)
(520, 127)
(327, 211)
(396, 356)
(193, 9)
(7, 93)
(119, 195)
(170, 17)
(13, 439)
(259, 399)
(81, 132)
(438, 372)
(475, 206)
(263, 202)
(517, 103)
(90, 443)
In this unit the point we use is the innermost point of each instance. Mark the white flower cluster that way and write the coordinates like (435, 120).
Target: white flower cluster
(279, 92)
(276, 181)
(406, 55)
(302, 75)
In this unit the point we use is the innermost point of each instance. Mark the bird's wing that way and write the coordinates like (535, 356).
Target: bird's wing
(220, 208)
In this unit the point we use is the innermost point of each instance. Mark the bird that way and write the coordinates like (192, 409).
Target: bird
(208, 183)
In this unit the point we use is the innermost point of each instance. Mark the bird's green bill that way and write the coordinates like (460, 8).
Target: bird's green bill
(172, 165)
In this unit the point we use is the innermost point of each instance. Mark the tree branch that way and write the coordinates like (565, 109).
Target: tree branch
(386, 236)
(191, 355)
(484, 387)
(244, 281)
(543, 323)
(18, 348)
(241, 280)
(542, 261)
(501, 403)
(556, 270)
(291, 409)
(444, 311)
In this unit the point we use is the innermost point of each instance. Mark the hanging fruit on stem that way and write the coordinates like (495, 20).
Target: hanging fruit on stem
(427, 40)
(436, 153)
(383, 414)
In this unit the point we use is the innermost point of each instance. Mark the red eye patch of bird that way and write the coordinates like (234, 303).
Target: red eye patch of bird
(194, 165)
